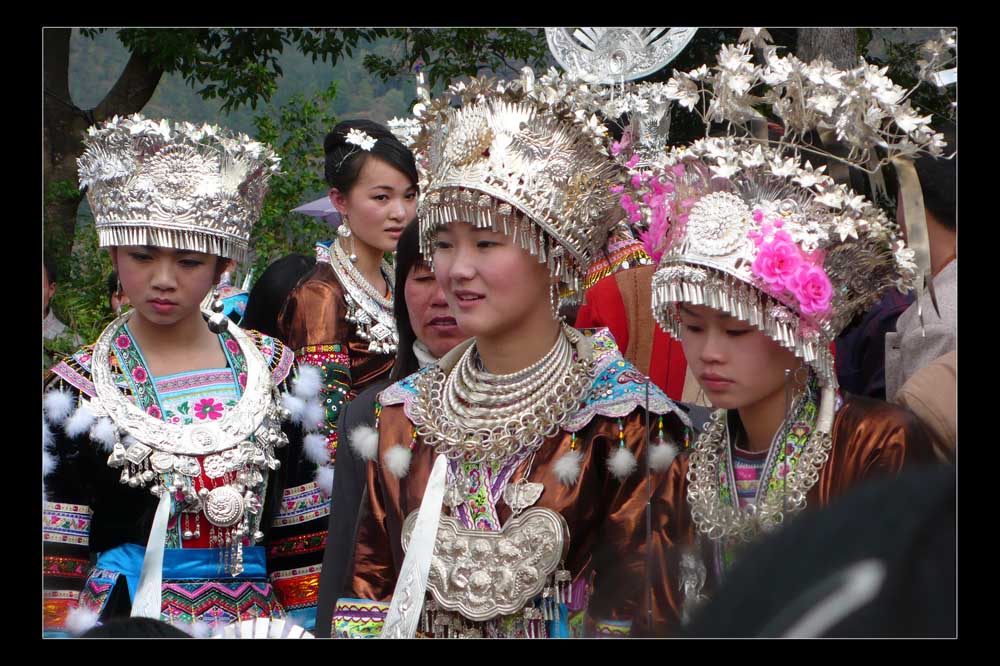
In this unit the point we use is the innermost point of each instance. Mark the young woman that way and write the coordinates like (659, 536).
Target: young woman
(165, 450)
(531, 433)
(427, 331)
(339, 316)
(761, 268)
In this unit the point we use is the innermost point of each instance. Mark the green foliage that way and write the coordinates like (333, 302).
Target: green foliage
(451, 53)
(62, 190)
(297, 134)
(81, 298)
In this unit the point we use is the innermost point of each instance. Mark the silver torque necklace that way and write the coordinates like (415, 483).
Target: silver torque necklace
(367, 309)
(478, 416)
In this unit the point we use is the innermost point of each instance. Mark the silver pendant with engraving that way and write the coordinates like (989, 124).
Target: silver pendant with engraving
(482, 575)
(522, 494)
(613, 55)
(224, 506)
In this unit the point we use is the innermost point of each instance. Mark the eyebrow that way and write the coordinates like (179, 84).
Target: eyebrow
(391, 188)
(683, 308)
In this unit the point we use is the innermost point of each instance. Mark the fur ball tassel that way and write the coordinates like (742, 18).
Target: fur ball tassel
(314, 447)
(364, 442)
(397, 459)
(567, 468)
(128, 441)
(80, 422)
(661, 455)
(622, 463)
(308, 383)
(47, 439)
(313, 416)
(58, 404)
(49, 463)
(103, 433)
(294, 405)
(80, 619)
(196, 629)
(324, 479)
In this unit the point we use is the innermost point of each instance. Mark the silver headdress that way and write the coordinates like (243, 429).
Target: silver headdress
(525, 158)
(175, 185)
(773, 243)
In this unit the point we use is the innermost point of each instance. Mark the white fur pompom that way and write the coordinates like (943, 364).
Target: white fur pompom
(294, 405)
(308, 382)
(103, 433)
(58, 404)
(196, 629)
(324, 479)
(47, 440)
(397, 459)
(314, 447)
(49, 463)
(661, 455)
(622, 463)
(567, 468)
(81, 619)
(364, 441)
(128, 441)
(313, 416)
(81, 421)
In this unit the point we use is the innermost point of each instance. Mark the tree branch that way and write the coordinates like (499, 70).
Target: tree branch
(132, 90)
(56, 53)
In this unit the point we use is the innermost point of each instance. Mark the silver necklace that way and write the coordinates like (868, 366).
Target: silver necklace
(367, 309)
(233, 451)
(718, 520)
(478, 416)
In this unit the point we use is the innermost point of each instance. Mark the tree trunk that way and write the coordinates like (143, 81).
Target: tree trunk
(838, 45)
(66, 124)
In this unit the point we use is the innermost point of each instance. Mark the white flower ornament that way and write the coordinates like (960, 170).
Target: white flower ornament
(360, 139)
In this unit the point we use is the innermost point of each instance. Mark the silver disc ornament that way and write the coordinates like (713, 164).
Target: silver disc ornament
(224, 506)
(614, 55)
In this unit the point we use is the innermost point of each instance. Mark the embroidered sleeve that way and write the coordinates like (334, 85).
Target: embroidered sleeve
(359, 618)
(68, 473)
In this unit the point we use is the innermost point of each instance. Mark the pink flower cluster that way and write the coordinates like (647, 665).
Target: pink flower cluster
(652, 193)
(787, 270)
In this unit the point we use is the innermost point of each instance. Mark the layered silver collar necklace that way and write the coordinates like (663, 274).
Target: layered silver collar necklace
(466, 412)
(367, 308)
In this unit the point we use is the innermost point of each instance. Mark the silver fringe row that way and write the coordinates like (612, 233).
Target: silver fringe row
(178, 239)
(486, 212)
(720, 291)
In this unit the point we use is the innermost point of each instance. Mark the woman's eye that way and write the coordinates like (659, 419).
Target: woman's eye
(486, 243)
(138, 256)
(425, 278)
(190, 263)
(411, 196)
(442, 245)
(381, 197)
(692, 328)
(738, 332)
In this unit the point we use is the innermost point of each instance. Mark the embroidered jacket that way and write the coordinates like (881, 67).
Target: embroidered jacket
(90, 513)
(607, 537)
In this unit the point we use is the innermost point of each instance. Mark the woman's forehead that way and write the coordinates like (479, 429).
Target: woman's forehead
(706, 312)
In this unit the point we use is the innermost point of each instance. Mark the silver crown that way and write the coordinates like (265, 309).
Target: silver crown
(175, 185)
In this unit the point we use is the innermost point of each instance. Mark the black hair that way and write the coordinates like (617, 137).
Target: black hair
(937, 181)
(345, 160)
(271, 290)
(112, 284)
(135, 627)
(407, 258)
(51, 272)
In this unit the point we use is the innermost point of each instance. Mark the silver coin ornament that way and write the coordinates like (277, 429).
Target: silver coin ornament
(224, 506)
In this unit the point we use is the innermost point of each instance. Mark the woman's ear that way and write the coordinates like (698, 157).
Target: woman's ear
(338, 199)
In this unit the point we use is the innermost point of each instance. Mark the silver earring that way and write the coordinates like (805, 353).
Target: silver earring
(554, 300)
(344, 231)
(118, 293)
(218, 322)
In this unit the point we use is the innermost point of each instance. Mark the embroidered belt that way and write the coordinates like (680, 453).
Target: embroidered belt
(483, 574)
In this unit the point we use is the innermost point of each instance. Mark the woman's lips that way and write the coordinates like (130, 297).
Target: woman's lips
(163, 307)
(467, 299)
(443, 324)
(715, 383)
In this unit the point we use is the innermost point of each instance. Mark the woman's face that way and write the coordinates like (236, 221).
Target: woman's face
(736, 364)
(166, 286)
(432, 321)
(493, 287)
(379, 204)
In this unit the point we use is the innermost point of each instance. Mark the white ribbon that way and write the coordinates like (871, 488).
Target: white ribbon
(148, 598)
(408, 597)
